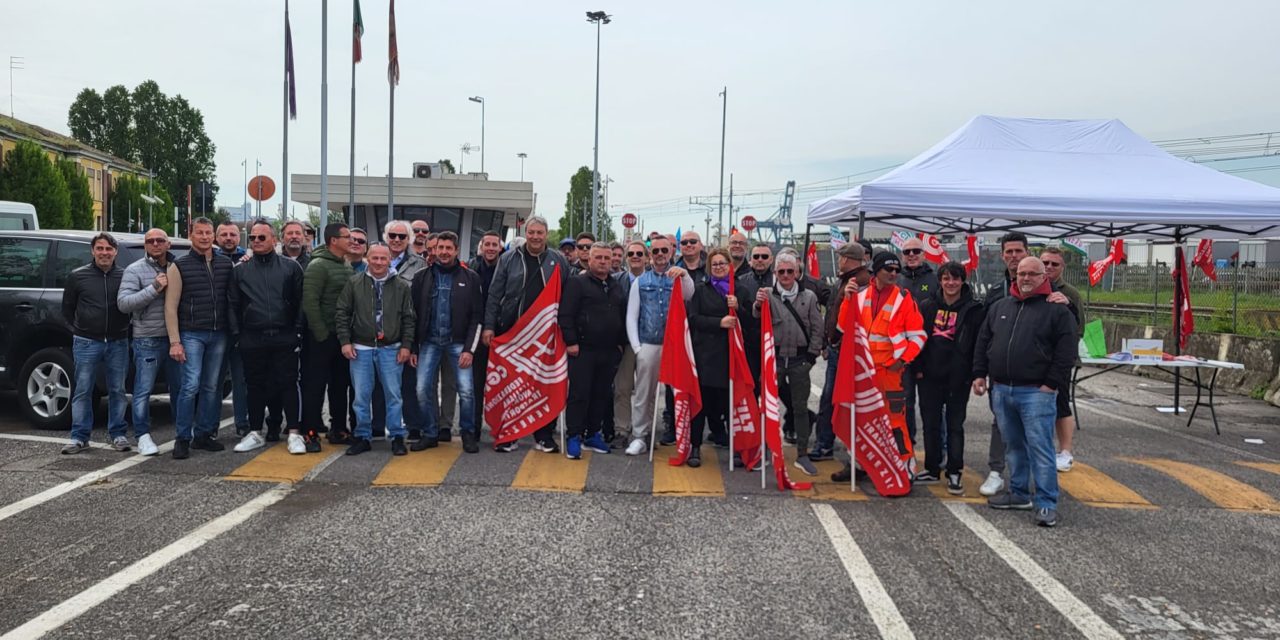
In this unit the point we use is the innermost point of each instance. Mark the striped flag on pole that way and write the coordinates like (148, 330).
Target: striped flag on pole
(393, 53)
(357, 32)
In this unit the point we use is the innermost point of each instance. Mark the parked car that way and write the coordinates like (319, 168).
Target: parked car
(18, 216)
(35, 341)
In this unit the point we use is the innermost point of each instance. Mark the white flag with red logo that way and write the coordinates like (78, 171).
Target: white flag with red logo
(677, 372)
(876, 448)
(769, 400)
(933, 251)
(527, 381)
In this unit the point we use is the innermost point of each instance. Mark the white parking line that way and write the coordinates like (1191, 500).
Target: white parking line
(1071, 607)
(877, 601)
(8, 511)
(83, 602)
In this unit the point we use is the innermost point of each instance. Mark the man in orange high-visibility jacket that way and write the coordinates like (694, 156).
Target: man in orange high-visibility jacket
(896, 333)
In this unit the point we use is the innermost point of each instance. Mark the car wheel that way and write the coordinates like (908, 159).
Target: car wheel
(45, 389)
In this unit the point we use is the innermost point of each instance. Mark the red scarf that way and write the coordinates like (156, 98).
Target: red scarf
(1043, 290)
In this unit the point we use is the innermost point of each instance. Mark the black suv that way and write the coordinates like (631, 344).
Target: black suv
(35, 341)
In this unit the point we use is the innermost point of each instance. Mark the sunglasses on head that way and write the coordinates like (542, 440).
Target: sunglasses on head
(635, 254)
(912, 252)
(397, 236)
(259, 238)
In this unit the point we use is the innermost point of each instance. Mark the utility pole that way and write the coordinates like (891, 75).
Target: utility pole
(15, 64)
(600, 18)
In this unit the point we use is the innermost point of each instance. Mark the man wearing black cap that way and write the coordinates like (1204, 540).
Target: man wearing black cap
(569, 248)
(851, 260)
(896, 333)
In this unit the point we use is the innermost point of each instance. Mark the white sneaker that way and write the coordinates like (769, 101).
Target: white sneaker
(1064, 460)
(636, 447)
(250, 441)
(297, 444)
(993, 484)
(147, 446)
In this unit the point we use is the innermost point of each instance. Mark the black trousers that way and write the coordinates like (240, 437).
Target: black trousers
(590, 389)
(271, 373)
(715, 409)
(326, 371)
(935, 398)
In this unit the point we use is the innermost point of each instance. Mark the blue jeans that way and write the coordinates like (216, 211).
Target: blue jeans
(429, 356)
(1025, 416)
(239, 388)
(150, 355)
(379, 362)
(200, 400)
(825, 436)
(88, 356)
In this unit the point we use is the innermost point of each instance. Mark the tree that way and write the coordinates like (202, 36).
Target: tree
(448, 165)
(577, 210)
(81, 198)
(166, 135)
(28, 175)
(129, 212)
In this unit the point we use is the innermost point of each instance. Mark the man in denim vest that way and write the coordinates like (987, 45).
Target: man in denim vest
(646, 321)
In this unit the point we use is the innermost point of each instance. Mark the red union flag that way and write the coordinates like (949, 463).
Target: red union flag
(1099, 268)
(933, 251)
(1187, 323)
(876, 450)
(528, 376)
(971, 263)
(1204, 258)
(769, 400)
(676, 371)
(745, 414)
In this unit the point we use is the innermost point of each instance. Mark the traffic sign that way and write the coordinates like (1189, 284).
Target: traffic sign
(629, 220)
(261, 188)
(748, 223)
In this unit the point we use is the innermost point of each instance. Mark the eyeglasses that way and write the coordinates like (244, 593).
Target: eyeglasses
(421, 232)
(719, 265)
(156, 240)
(685, 243)
(635, 254)
(912, 252)
(398, 236)
(259, 238)
(1030, 274)
(760, 256)
(783, 272)
(660, 250)
(356, 240)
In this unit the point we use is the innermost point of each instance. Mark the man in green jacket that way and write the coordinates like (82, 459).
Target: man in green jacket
(323, 364)
(376, 324)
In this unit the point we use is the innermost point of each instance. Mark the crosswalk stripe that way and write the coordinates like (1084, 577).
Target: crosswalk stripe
(969, 479)
(424, 469)
(875, 598)
(1219, 488)
(1097, 489)
(687, 481)
(276, 464)
(1262, 466)
(552, 472)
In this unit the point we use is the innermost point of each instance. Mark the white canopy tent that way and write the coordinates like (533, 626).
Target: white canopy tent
(1054, 179)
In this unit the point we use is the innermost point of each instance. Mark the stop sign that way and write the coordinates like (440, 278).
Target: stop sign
(748, 223)
(629, 220)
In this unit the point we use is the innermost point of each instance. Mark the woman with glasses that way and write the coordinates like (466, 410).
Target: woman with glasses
(709, 325)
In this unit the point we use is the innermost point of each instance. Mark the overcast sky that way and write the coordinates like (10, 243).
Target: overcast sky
(816, 90)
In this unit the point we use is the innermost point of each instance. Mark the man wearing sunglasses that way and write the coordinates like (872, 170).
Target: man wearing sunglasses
(407, 264)
(851, 260)
(404, 262)
(759, 275)
(266, 322)
(420, 230)
(142, 295)
(359, 245)
(918, 279)
(738, 254)
(895, 330)
(569, 249)
(636, 261)
(1054, 260)
(693, 256)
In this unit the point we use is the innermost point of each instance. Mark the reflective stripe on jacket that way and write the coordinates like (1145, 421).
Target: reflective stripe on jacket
(896, 333)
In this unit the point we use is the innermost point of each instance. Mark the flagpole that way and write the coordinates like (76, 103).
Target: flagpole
(393, 77)
(653, 424)
(324, 114)
(351, 175)
(284, 178)
(853, 438)
(731, 449)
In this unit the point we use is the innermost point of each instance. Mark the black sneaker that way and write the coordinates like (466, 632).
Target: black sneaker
(313, 444)
(341, 437)
(415, 434)
(1006, 501)
(273, 434)
(926, 477)
(207, 444)
(445, 435)
(789, 437)
(359, 447)
(694, 460)
(422, 444)
(470, 443)
(181, 449)
(379, 433)
(507, 447)
(1047, 517)
(953, 484)
(668, 438)
(397, 446)
(547, 446)
(818, 454)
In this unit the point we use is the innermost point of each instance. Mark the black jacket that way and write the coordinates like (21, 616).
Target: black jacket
(949, 360)
(710, 342)
(745, 288)
(466, 305)
(835, 294)
(266, 300)
(921, 282)
(593, 313)
(1026, 342)
(89, 303)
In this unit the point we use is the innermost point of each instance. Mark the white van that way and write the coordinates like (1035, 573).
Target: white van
(18, 216)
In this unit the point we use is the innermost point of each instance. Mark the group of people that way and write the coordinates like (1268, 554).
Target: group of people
(396, 330)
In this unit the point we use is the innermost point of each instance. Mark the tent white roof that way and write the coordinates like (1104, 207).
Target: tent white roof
(1056, 178)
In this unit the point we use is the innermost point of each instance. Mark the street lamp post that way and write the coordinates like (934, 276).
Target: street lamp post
(522, 155)
(724, 112)
(599, 18)
(481, 101)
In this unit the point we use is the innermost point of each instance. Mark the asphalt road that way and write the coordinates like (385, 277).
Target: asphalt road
(1167, 532)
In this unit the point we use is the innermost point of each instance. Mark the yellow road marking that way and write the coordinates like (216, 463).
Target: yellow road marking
(823, 488)
(1097, 489)
(1262, 466)
(420, 468)
(552, 472)
(1219, 488)
(969, 479)
(276, 464)
(687, 481)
